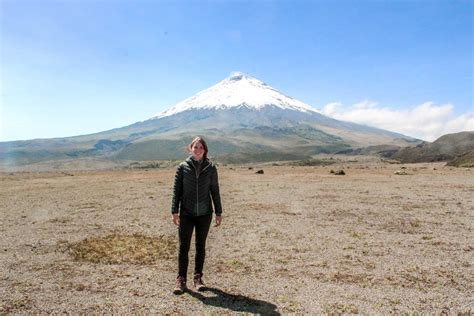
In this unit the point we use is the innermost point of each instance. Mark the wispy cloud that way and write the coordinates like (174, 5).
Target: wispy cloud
(427, 121)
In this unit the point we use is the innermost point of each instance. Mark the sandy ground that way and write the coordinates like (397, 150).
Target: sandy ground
(294, 240)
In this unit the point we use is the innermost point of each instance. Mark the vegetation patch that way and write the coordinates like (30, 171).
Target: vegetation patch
(265, 207)
(118, 249)
(232, 265)
(465, 160)
(404, 226)
(313, 162)
(144, 165)
(340, 308)
(15, 304)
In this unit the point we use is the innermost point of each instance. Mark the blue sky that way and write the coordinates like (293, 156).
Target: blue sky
(71, 67)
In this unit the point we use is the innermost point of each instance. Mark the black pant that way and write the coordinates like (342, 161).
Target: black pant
(186, 227)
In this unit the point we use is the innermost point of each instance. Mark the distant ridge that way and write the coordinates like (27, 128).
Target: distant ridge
(445, 148)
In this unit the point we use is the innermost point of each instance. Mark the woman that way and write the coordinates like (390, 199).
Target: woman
(195, 185)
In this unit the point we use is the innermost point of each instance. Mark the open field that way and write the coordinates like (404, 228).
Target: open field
(293, 240)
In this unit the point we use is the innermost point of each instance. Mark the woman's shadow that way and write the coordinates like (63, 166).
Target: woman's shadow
(236, 303)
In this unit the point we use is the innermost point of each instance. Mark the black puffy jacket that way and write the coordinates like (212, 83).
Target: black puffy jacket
(193, 192)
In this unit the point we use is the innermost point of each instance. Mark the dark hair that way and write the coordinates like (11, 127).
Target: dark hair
(203, 143)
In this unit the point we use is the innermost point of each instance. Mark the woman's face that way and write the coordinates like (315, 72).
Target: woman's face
(197, 150)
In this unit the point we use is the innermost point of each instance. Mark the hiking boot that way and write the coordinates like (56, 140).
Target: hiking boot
(180, 286)
(198, 284)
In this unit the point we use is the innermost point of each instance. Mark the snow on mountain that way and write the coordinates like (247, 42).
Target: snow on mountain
(238, 90)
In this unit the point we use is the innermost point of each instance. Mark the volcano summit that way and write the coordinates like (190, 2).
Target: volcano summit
(239, 90)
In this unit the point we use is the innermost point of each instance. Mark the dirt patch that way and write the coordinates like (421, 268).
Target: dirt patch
(117, 249)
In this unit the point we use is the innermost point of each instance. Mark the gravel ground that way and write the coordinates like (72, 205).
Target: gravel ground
(294, 240)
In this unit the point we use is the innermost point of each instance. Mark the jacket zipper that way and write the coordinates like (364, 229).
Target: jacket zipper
(197, 187)
(197, 193)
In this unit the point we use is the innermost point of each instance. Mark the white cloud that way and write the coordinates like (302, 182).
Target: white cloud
(427, 121)
(365, 105)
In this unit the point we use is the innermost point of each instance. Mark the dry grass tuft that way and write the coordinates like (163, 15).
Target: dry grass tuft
(117, 249)
(14, 304)
(339, 308)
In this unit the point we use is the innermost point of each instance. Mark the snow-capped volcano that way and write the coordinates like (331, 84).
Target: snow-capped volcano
(243, 119)
(238, 90)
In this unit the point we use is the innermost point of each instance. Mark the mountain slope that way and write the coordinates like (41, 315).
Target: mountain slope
(445, 148)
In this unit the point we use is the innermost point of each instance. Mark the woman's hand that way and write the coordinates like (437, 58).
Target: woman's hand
(176, 219)
(218, 220)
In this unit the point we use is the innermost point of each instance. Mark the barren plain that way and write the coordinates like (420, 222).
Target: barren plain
(294, 240)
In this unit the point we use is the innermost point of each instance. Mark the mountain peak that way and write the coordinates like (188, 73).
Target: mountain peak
(237, 75)
(238, 90)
